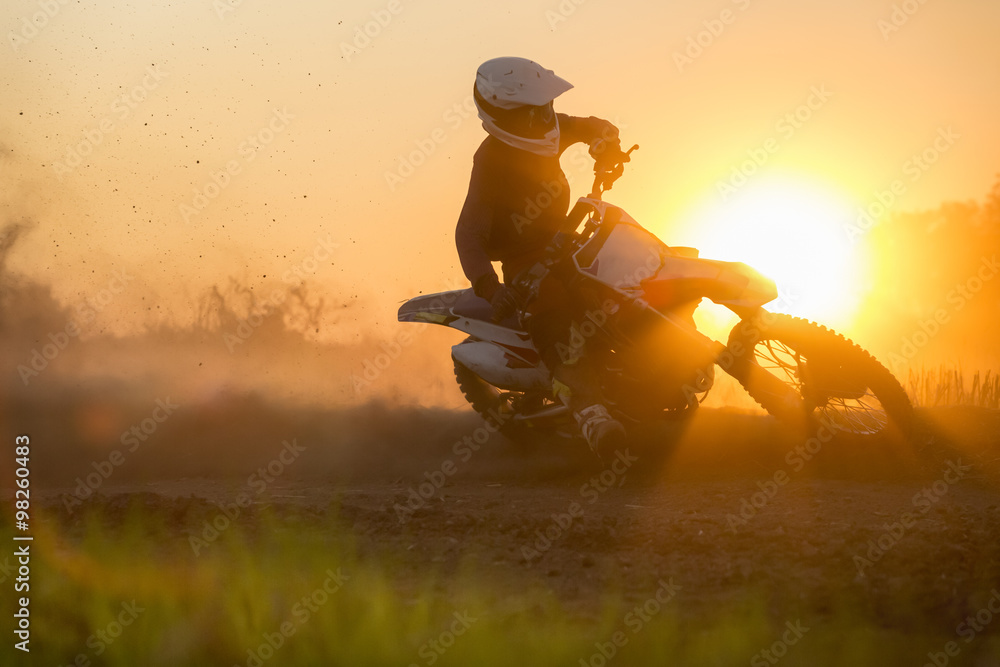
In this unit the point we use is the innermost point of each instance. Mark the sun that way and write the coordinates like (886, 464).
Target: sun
(793, 231)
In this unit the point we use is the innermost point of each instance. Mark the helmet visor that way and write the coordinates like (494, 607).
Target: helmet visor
(528, 121)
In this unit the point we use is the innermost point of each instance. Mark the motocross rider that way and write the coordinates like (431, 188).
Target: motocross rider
(518, 199)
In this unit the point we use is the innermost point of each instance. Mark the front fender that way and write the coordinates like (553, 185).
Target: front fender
(732, 284)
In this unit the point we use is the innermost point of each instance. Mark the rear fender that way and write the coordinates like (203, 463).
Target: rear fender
(500, 367)
(440, 309)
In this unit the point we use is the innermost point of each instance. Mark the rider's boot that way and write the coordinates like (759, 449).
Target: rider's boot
(603, 433)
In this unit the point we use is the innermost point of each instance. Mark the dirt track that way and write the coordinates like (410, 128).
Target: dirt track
(720, 507)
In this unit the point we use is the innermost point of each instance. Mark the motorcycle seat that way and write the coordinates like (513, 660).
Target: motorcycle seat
(476, 308)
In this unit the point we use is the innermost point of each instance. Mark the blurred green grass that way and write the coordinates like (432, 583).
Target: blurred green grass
(219, 607)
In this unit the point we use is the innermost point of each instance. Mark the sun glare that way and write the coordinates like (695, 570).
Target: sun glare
(792, 231)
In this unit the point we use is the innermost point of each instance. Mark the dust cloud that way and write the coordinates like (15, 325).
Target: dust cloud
(219, 394)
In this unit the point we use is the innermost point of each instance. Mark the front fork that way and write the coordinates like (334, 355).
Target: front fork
(738, 360)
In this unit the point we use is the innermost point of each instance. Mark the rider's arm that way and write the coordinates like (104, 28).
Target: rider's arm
(472, 235)
(573, 129)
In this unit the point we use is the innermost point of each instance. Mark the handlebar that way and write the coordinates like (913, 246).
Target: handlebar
(609, 164)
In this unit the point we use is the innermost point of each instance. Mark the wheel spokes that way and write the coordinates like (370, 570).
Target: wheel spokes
(781, 358)
(856, 415)
(862, 415)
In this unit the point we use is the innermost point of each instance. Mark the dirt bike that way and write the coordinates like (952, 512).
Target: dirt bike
(640, 331)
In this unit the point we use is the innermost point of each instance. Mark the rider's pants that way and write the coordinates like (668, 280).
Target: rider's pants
(562, 334)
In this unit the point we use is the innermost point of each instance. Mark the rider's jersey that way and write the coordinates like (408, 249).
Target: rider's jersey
(517, 201)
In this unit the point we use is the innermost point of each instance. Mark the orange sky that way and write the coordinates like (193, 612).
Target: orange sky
(332, 119)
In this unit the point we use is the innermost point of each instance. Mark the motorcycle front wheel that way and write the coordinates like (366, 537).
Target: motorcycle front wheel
(802, 372)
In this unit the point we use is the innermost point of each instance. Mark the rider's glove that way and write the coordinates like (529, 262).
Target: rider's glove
(605, 149)
(606, 141)
(505, 302)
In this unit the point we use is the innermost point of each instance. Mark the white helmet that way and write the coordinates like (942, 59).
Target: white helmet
(514, 97)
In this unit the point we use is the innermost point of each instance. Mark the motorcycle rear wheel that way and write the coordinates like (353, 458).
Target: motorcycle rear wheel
(496, 407)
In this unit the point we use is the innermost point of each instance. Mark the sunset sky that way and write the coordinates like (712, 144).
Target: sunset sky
(118, 116)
